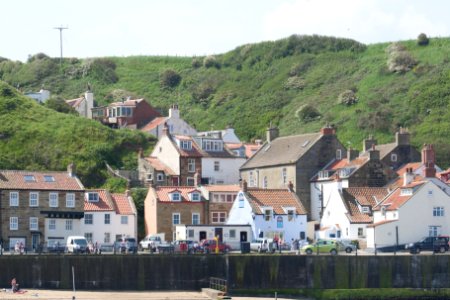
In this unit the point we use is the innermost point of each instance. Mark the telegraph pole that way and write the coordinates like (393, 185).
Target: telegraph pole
(61, 28)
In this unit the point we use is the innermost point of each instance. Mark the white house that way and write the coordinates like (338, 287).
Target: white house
(83, 105)
(176, 125)
(227, 135)
(40, 97)
(108, 216)
(270, 212)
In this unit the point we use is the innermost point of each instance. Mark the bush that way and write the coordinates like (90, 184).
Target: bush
(169, 79)
(101, 69)
(401, 62)
(348, 97)
(308, 113)
(211, 61)
(196, 63)
(422, 40)
(395, 47)
(295, 83)
(58, 104)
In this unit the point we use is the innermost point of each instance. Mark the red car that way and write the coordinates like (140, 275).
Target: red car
(209, 246)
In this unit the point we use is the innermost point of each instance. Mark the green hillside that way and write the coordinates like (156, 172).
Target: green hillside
(297, 83)
(33, 137)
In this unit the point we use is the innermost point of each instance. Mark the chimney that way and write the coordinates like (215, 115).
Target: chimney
(352, 154)
(374, 154)
(408, 177)
(369, 143)
(71, 170)
(197, 178)
(327, 130)
(271, 133)
(174, 112)
(140, 153)
(165, 131)
(402, 137)
(291, 186)
(244, 186)
(428, 160)
(89, 96)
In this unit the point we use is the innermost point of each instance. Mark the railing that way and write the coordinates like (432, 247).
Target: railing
(218, 284)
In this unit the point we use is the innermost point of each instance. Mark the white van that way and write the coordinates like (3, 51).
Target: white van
(76, 244)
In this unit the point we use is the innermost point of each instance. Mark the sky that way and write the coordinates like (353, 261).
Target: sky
(98, 28)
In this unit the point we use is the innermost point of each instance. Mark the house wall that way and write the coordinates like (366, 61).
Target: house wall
(166, 152)
(184, 169)
(228, 169)
(404, 153)
(242, 215)
(177, 126)
(371, 174)
(61, 231)
(273, 174)
(328, 190)
(143, 113)
(150, 212)
(233, 242)
(335, 211)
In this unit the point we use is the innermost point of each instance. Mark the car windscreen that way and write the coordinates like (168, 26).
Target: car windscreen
(80, 242)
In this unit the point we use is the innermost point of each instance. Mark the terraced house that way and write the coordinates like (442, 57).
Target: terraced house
(39, 207)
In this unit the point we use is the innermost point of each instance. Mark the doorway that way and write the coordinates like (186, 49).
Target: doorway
(243, 236)
(202, 235)
(218, 233)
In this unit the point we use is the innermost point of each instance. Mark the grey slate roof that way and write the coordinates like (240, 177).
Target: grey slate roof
(282, 150)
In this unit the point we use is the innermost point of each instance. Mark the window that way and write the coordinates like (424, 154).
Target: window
(69, 225)
(107, 219)
(107, 238)
(430, 193)
(265, 182)
(123, 220)
(149, 176)
(191, 165)
(33, 223)
(191, 233)
(323, 174)
(279, 222)
(290, 214)
(53, 199)
(52, 224)
(88, 219)
(13, 223)
(176, 218)
(186, 145)
(338, 154)
(267, 214)
(284, 176)
(406, 192)
(176, 196)
(217, 166)
(393, 157)
(218, 217)
(88, 236)
(230, 198)
(365, 209)
(360, 232)
(232, 233)
(70, 200)
(190, 181)
(92, 197)
(438, 211)
(195, 219)
(34, 199)
(241, 200)
(29, 178)
(195, 196)
(434, 230)
(13, 199)
(49, 178)
(251, 179)
(159, 177)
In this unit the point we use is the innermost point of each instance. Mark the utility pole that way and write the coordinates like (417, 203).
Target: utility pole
(61, 28)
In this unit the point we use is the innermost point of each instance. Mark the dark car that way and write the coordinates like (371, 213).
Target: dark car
(430, 243)
(127, 245)
(56, 246)
(209, 246)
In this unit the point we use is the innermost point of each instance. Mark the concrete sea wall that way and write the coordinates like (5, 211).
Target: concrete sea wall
(192, 272)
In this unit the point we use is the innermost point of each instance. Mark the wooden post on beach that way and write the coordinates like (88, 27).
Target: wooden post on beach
(73, 282)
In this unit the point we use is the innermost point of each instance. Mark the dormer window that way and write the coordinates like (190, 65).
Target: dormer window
(92, 197)
(393, 157)
(176, 196)
(338, 154)
(290, 214)
(195, 196)
(268, 214)
(406, 192)
(365, 209)
(186, 145)
(29, 178)
(344, 172)
(49, 178)
(323, 174)
(149, 176)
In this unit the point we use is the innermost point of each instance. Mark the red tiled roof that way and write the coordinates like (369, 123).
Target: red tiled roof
(222, 188)
(124, 206)
(10, 179)
(275, 198)
(162, 193)
(159, 165)
(396, 200)
(250, 149)
(414, 166)
(153, 123)
(365, 196)
(104, 201)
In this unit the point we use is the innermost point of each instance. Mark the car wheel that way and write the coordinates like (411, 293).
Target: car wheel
(417, 251)
(333, 252)
(308, 251)
(348, 250)
(442, 249)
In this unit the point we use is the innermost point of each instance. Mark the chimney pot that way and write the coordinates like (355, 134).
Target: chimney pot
(244, 186)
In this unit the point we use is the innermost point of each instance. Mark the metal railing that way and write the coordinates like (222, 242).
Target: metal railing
(218, 284)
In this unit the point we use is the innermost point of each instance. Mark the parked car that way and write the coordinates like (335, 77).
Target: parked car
(55, 246)
(347, 245)
(322, 246)
(262, 245)
(187, 246)
(151, 242)
(126, 245)
(76, 244)
(209, 246)
(431, 243)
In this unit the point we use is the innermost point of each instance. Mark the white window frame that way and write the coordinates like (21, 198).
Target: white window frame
(69, 225)
(53, 199)
(13, 198)
(338, 154)
(107, 219)
(191, 165)
(195, 216)
(218, 215)
(394, 157)
(123, 220)
(107, 237)
(251, 179)
(93, 197)
(70, 200)
(34, 201)
(438, 211)
(176, 198)
(159, 177)
(264, 185)
(268, 214)
(284, 176)
(51, 224)
(195, 196)
(13, 223)
(88, 219)
(176, 218)
(34, 223)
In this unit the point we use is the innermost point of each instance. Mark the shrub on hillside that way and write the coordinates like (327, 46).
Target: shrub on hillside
(169, 79)
(301, 68)
(196, 63)
(58, 104)
(307, 113)
(211, 61)
(119, 95)
(101, 69)
(347, 97)
(38, 56)
(422, 40)
(295, 83)
(401, 62)
(395, 47)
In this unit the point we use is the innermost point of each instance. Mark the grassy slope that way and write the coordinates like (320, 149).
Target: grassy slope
(249, 90)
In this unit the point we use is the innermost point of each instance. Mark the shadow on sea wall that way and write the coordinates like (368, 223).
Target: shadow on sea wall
(192, 272)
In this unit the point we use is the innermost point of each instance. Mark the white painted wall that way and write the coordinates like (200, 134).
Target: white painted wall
(228, 171)
(167, 152)
(60, 230)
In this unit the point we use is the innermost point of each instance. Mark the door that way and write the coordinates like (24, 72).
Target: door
(202, 235)
(35, 239)
(175, 181)
(243, 236)
(218, 233)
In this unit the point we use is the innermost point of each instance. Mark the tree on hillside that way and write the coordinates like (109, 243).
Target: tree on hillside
(58, 104)
(422, 40)
(169, 79)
